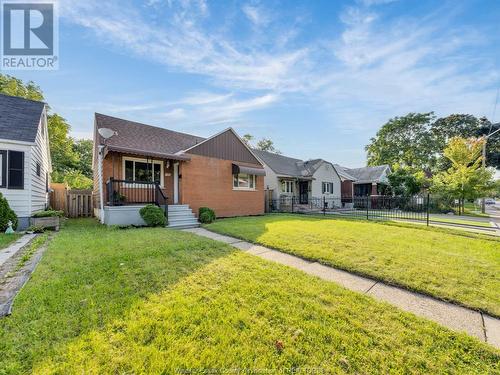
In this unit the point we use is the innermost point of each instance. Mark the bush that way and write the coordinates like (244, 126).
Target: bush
(6, 215)
(153, 216)
(35, 229)
(206, 215)
(48, 213)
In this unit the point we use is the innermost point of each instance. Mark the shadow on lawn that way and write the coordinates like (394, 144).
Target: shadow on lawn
(91, 275)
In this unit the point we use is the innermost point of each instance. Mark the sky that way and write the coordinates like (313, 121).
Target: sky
(319, 78)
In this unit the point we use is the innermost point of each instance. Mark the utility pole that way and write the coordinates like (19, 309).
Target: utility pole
(483, 201)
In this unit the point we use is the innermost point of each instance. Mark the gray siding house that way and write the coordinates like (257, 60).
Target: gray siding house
(25, 164)
(304, 180)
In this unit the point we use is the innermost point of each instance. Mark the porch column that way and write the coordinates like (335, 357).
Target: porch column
(176, 183)
(374, 188)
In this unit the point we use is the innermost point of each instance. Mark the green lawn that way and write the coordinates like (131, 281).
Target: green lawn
(159, 301)
(455, 267)
(7, 239)
(452, 220)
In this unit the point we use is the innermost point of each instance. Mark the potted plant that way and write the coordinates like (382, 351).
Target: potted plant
(46, 219)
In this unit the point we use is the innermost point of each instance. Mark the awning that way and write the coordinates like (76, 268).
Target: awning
(237, 169)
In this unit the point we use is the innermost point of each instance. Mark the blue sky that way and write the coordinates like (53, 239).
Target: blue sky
(317, 77)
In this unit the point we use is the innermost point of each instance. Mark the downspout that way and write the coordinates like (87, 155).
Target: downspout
(101, 192)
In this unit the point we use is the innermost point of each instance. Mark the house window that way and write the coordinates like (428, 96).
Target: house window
(143, 171)
(327, 187)
(3, 168)
(16, 170)
(244, 181)
(38, 169)
(287, 186)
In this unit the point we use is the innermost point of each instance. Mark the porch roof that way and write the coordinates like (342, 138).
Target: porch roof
(147, 153)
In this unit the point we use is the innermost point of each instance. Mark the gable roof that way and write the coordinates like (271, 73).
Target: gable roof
(368, 174)
(280, 164)
(343, 173)
(291, 167)
(227, 145)
(19, 118)
(141, 138)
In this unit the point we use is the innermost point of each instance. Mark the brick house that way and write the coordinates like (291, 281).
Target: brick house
(365, 181)
(180, 172)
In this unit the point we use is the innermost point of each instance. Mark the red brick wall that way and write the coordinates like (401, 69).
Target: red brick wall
(209, 182)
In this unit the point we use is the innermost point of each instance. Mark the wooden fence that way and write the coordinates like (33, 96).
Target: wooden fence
(74, 203)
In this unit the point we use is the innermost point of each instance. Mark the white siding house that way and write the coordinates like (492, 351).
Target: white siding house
(290, 177)
(25, 164)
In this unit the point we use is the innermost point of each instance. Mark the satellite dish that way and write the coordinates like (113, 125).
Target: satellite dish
(106, 133)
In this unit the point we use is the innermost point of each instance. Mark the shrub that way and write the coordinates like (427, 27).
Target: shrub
(48, 213)
(6, 215)
(35, 229)
(153, 216)
(206, 215)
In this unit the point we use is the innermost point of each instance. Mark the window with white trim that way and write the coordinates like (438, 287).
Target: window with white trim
(327, 187)
(142, 170)
(287, 186)
(244, 181)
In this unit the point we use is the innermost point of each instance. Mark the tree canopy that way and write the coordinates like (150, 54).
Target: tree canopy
(71, 159)
(417, 140)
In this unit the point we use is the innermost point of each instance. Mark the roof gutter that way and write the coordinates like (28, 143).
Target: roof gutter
(181, 157)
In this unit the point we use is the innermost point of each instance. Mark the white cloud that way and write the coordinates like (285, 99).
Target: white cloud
(375, 68)
(256, 15)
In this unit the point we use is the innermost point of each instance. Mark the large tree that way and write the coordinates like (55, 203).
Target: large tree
(405, 141)
(417, 141)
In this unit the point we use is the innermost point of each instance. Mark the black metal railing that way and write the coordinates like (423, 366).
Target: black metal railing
(421, 208)
(127, 192)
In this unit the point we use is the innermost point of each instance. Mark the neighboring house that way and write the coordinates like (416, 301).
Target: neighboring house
(360, 182)
(25, 164)
(142, 164)
(289, 177)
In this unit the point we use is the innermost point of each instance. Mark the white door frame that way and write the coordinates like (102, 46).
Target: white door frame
(176, 183)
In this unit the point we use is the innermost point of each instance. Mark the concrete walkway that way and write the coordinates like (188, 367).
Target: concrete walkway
(12, 249)
(481, 326)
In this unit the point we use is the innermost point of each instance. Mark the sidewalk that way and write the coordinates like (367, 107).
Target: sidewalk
(479, 325)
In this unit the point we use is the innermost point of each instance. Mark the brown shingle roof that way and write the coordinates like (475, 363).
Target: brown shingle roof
(143, 139)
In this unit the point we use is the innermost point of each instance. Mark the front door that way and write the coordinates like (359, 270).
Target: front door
(303, 192)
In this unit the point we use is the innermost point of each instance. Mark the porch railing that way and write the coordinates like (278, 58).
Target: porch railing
(126, 192)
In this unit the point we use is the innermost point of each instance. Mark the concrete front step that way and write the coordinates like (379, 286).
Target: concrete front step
(180, 216)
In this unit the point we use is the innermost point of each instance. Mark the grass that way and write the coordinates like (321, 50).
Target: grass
(476, 223)
(33, 247)
(161, 301)
(7, 239)
(446, 264)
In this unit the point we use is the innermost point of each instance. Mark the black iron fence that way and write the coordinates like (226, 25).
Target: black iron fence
(126, 192)
(425, 208)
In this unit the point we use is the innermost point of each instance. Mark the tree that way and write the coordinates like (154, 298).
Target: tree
(13, 86)
(417, 141)
(71, 160)
(64, 158)
(405, 141)
(83, 148)
(77, 180)
(247, 138)
(405, 183)
(465, 179)
(265, 144)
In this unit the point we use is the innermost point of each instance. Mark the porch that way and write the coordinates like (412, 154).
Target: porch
(132, 181)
